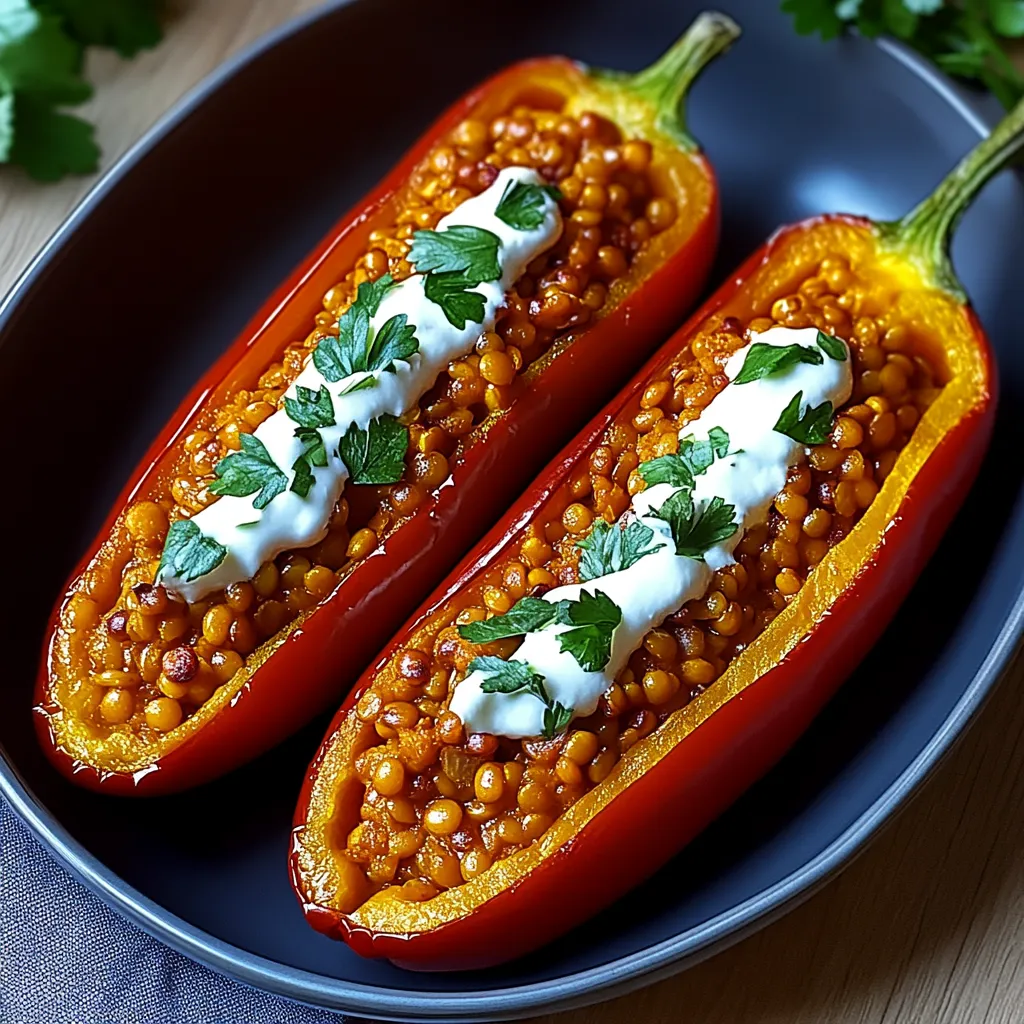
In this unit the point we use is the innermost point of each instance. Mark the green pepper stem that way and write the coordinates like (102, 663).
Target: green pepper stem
(665, 83)
(924, 234)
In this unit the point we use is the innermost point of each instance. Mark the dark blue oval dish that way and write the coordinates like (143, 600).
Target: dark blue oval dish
(173, 251)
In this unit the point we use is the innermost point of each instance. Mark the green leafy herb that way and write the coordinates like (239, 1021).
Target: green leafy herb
(522, 205)
(610, 548)
(556, 718)
(314, 453)
(832, 347)
(527, 615)
(810, 427)
(502, 676)
(355, 350)
(41, 57)
(364, 384)
(188, 554)
(452, 293)
(765, 360)
(460, 249)
(375, 455)
(964, 39)
(310, 408)
(594, 618)
(250, 471)
(126, 26)
(695, 530)
(693, 458)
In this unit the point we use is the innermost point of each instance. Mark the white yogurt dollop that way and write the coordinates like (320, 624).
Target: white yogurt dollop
(289, 521)
(659, 583)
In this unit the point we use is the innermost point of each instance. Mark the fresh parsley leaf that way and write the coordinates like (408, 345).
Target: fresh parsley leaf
(460, 249)
(527, 615)
(522, 205)
(360, 385)
(693, 458)
(314, 453)
(1007, 17)
(832, 347)
(765, 360)
(594, 617)
(556, 718)
(249, 471)
(814, 16)
(310, 408)
(126, 26)
(810, 427)
(452, 293)
(375, 455)
(502, 676)
(188, 553)
(51, 145)
(610, 548)
(694, 530)
(350, 351)
(395, 340)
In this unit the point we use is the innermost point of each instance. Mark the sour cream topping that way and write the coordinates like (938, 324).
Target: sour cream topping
(290, 521)
(661, 582)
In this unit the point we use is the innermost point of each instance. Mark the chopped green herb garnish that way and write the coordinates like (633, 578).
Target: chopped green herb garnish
(356, 349)
(610, 548)
(810, 427)
(522, 205)
(693, 458)
(556, 718)
(527, 615)
(452, 292)
(310, 408)
(461, 249)
(765, 360)
(832, 347)
(188, 554)
(502, 676)
(250, 471)
(375, 455)
(314, 453)
(303, 479)
(695, 530)
(594, 618)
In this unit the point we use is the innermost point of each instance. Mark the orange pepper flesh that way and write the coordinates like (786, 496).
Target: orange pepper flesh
(329, 880)
(72, 723)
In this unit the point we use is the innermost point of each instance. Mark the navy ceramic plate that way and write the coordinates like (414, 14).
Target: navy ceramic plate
(168, 258)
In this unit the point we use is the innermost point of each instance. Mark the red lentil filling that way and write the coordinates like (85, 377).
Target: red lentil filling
(441, 806)
(156, 659)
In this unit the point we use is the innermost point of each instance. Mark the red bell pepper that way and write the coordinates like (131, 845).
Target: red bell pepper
(703, 753)
(309, 663)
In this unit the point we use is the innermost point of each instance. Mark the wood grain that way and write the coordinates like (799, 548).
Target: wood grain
(925, 927)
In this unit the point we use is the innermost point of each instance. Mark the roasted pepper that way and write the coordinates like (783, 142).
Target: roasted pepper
(417, 840)
(143, 690)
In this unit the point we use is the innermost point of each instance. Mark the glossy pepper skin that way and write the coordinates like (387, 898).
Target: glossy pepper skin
(703, 756)
(311, 662)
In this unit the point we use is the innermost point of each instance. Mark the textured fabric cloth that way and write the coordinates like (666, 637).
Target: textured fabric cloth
(66, 958)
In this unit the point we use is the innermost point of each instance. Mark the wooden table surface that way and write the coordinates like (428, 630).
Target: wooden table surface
(925, 927)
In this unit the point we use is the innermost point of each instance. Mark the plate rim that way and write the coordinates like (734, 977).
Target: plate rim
(615, 978)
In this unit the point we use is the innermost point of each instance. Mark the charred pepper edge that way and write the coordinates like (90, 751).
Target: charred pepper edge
(75, 758)
(382, 913)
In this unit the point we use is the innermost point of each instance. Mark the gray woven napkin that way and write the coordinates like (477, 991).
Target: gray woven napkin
(66, 958)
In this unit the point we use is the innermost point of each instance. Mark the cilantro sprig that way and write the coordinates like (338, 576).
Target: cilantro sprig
(42, 44)
(250, 471)
(357, 349)
(607, 549)
(811, 426)
(693, 458)
(188, 553)
(695, 530)
(764, 360)
(967, 39)
(375, 455)
(522, 205)
(500, 676)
